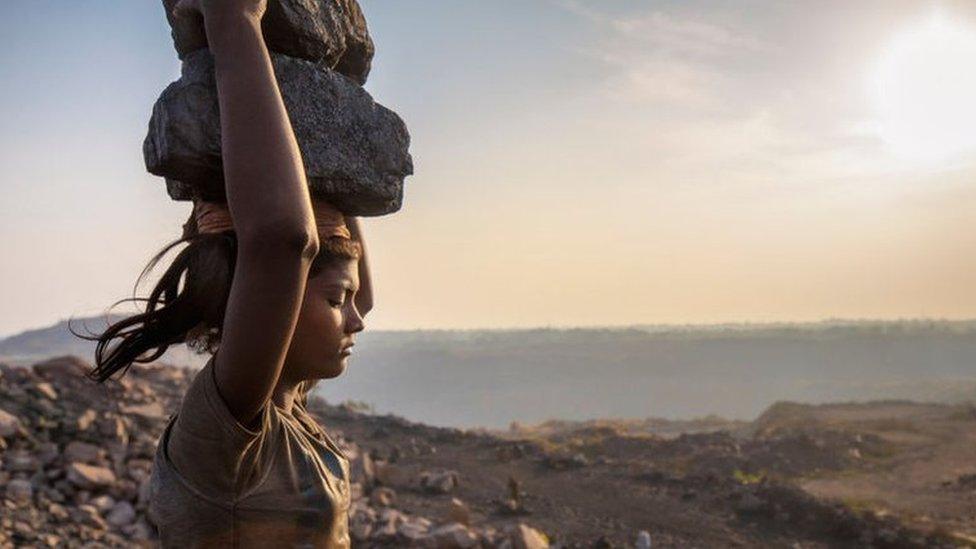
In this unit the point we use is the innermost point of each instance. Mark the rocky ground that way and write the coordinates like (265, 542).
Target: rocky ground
(75, 459)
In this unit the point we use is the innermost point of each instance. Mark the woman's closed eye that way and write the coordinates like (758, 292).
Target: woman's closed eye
(337, 303)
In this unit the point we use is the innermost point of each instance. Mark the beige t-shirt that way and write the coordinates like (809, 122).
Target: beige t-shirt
(216, 483)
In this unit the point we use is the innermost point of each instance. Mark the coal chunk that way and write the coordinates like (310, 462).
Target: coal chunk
(332, 32)
(355, 151)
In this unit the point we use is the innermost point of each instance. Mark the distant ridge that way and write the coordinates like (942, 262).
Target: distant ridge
(55, 340)
(493, 377)
(37, 344)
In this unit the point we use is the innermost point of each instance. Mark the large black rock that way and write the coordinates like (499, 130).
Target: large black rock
(332, 32)
(355, 151)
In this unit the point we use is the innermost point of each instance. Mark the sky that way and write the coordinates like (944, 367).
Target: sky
(577, 163)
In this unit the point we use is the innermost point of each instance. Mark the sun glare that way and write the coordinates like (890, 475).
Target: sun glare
(926, 91)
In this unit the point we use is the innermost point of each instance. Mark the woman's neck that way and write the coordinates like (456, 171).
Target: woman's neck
(285, 393)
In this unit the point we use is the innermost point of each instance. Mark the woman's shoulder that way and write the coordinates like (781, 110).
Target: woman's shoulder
(207, 446)
(205, 412)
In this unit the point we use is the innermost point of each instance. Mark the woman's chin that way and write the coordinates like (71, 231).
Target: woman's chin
(334, 369)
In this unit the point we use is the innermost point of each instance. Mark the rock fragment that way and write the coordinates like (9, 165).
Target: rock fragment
(90, 476)
(21, 461)
(58, 512)
(9, 424)
(150, 411)
(385, 473)
(121, 514)
(383, 497)
(85, 420)
(439, 482)
(88, 515)
(138, 531)
(62, 367)
(524, 536)
(454, 535)
(113, 428)
(20, 490)
(412, 532)
(46, 390)
(82, 452)
(103, 503)
(47, 453)
(458, 511)
(332, 32)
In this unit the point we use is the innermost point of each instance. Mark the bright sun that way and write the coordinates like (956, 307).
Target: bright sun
(926, 86)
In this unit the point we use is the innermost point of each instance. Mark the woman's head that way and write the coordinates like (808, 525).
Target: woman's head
(187, 305)
(328, 320)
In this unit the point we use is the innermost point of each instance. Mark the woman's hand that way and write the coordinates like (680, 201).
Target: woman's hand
(364, 297)
(218, 9)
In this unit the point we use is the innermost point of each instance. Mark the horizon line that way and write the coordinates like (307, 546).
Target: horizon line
(754, 324)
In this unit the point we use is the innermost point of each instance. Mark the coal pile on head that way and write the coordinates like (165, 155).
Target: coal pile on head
(355, 151)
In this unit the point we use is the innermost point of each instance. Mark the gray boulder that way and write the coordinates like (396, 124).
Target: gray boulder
(332, 32)
(355, 151)
(121, 514)
(20, 490)
(82, 452)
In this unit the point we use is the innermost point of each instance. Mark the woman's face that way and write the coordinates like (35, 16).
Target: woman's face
(326, 324)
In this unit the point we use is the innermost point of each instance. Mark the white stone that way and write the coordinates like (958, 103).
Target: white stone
(454, 536)
(9, 424)
(45, 389)
(90, 476)
(103, 503)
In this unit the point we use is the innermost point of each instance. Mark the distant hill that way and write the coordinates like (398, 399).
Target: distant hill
(37, 344)
(493, 377)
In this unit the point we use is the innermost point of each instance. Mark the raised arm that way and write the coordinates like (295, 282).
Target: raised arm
(364, 297)
(269, 202)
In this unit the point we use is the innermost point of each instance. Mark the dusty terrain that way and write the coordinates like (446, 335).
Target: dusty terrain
(883, 474)
(749, 486)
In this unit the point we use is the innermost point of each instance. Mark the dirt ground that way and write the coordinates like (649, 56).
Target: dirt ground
(875, 475)
(929, 480)
(882, 474)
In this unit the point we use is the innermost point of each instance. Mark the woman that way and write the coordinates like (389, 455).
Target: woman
(277, 296)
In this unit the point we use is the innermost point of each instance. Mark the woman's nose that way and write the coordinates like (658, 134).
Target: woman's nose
(354, 323)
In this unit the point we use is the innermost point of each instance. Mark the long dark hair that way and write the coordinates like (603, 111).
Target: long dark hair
(194, 312)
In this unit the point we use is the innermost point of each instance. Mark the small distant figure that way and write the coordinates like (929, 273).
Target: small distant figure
(643, 540)
(513, 503)
(514, 490)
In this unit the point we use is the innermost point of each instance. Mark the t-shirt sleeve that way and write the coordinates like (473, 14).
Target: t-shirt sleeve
(207, 445)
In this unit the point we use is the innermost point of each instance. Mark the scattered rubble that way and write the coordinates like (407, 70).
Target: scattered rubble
(75, 470)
